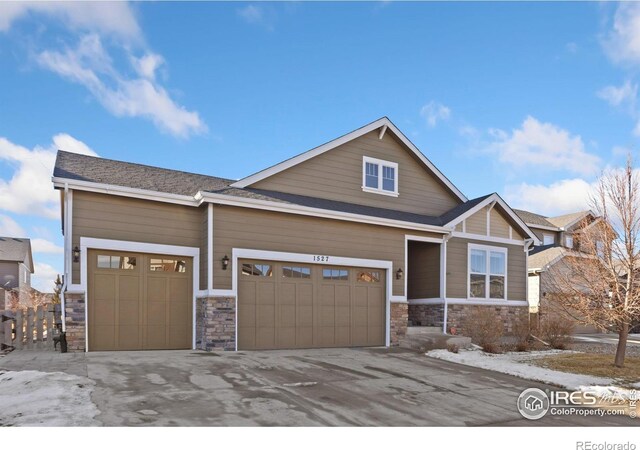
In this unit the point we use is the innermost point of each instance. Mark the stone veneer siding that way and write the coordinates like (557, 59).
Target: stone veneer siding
(426, 315)
(399, 321)
(216, 323)
(508, 314)
(75, 325)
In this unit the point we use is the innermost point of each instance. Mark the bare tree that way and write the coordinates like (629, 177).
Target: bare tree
(596, 283)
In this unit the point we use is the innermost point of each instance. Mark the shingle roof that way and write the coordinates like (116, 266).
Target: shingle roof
(106, 171)
(138, 176)
(563, 221)
(16, 249)
(533, 219)
(461, 209)
(546, 256)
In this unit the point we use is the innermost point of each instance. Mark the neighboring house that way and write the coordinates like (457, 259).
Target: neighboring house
(559, 237)
(16, 265)
(341, 246)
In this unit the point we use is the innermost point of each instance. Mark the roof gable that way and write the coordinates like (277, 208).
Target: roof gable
(16, 250)
(475, 205)
(383, 126)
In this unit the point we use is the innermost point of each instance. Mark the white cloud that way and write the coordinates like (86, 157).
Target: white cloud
(39, 245)
(30, 191)
(43, 277)
(90, 66)
(433, 112)
(251, 13)
(625, 95)
(561, 197)
(262, 15)
(10, 228)
(622, 43)
(147, 65)
(113, 18)
(544, 145)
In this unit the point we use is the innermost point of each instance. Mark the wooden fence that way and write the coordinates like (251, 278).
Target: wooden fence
(29, 328)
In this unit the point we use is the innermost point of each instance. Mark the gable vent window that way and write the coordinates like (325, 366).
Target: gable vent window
(380, 177)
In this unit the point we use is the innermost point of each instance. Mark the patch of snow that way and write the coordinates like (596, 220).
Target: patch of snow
(515, 364)
(32, 398)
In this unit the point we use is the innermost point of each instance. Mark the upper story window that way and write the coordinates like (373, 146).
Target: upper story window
(379, 176)
(547, 239)
(569, 241)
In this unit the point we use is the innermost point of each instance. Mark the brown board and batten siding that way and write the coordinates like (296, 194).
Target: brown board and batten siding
(128, 219)
(498, 224)
(264, 230)
(457, 272)
(337, 175)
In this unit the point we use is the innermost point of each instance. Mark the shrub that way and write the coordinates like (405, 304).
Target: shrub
(557, 331)
(521, 334)
(485, 329)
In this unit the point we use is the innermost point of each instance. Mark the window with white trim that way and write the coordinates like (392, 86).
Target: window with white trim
(569, 241)
(547, 239)
(487, 272)
(380, 177)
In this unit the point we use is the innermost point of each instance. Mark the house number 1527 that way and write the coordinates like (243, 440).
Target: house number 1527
(320, 258)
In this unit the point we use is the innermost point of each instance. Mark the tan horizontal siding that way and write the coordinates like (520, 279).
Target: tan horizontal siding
(119, 218)
(499, 225)
(457, 264)
(337, 175)
(477, 223)
(264, 230)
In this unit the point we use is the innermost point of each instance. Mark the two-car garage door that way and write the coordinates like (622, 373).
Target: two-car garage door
(139, 301)
(292, 305)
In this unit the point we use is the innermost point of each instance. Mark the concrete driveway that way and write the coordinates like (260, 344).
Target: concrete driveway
(348, 387)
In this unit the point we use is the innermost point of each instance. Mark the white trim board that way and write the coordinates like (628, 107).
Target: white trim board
(382, 122)
(492, 200)
(481, 237)
(138, 247)
(465, 301)
(244, 253)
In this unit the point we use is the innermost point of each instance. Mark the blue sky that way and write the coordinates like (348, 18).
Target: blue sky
(530, 100)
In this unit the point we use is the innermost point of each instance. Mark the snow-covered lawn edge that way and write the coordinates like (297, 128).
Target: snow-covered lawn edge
(32, 398)
(515, 364)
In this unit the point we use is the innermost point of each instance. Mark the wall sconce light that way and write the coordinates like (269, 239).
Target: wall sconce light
(225, 262)
(399, 274)
(76, 254)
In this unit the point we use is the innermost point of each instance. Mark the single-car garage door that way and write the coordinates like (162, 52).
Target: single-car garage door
(291, 305)
(139, 301)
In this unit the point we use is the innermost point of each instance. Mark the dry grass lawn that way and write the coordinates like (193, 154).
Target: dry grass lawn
(593, 364)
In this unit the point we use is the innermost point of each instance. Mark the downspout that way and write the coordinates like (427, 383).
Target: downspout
(65, 277)
(527, 246)
(445, 238)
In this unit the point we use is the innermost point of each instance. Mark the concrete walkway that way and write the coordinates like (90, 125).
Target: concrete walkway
(348, 387)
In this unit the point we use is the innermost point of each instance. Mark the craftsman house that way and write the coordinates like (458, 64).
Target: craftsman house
(341, 246)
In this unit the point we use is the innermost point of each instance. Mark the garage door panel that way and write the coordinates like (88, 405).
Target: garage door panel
(105, 287)
(265, 338)
(156, 314)
(129, 337)
(128, 313)
(139, 305)
(104, 337)
(310, 306)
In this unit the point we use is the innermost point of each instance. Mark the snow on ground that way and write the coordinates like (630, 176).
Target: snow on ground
(32, 398)
(516, 364)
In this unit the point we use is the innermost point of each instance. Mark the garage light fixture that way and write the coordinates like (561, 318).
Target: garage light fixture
(225, 262)
(399, 274)
(76, 254)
